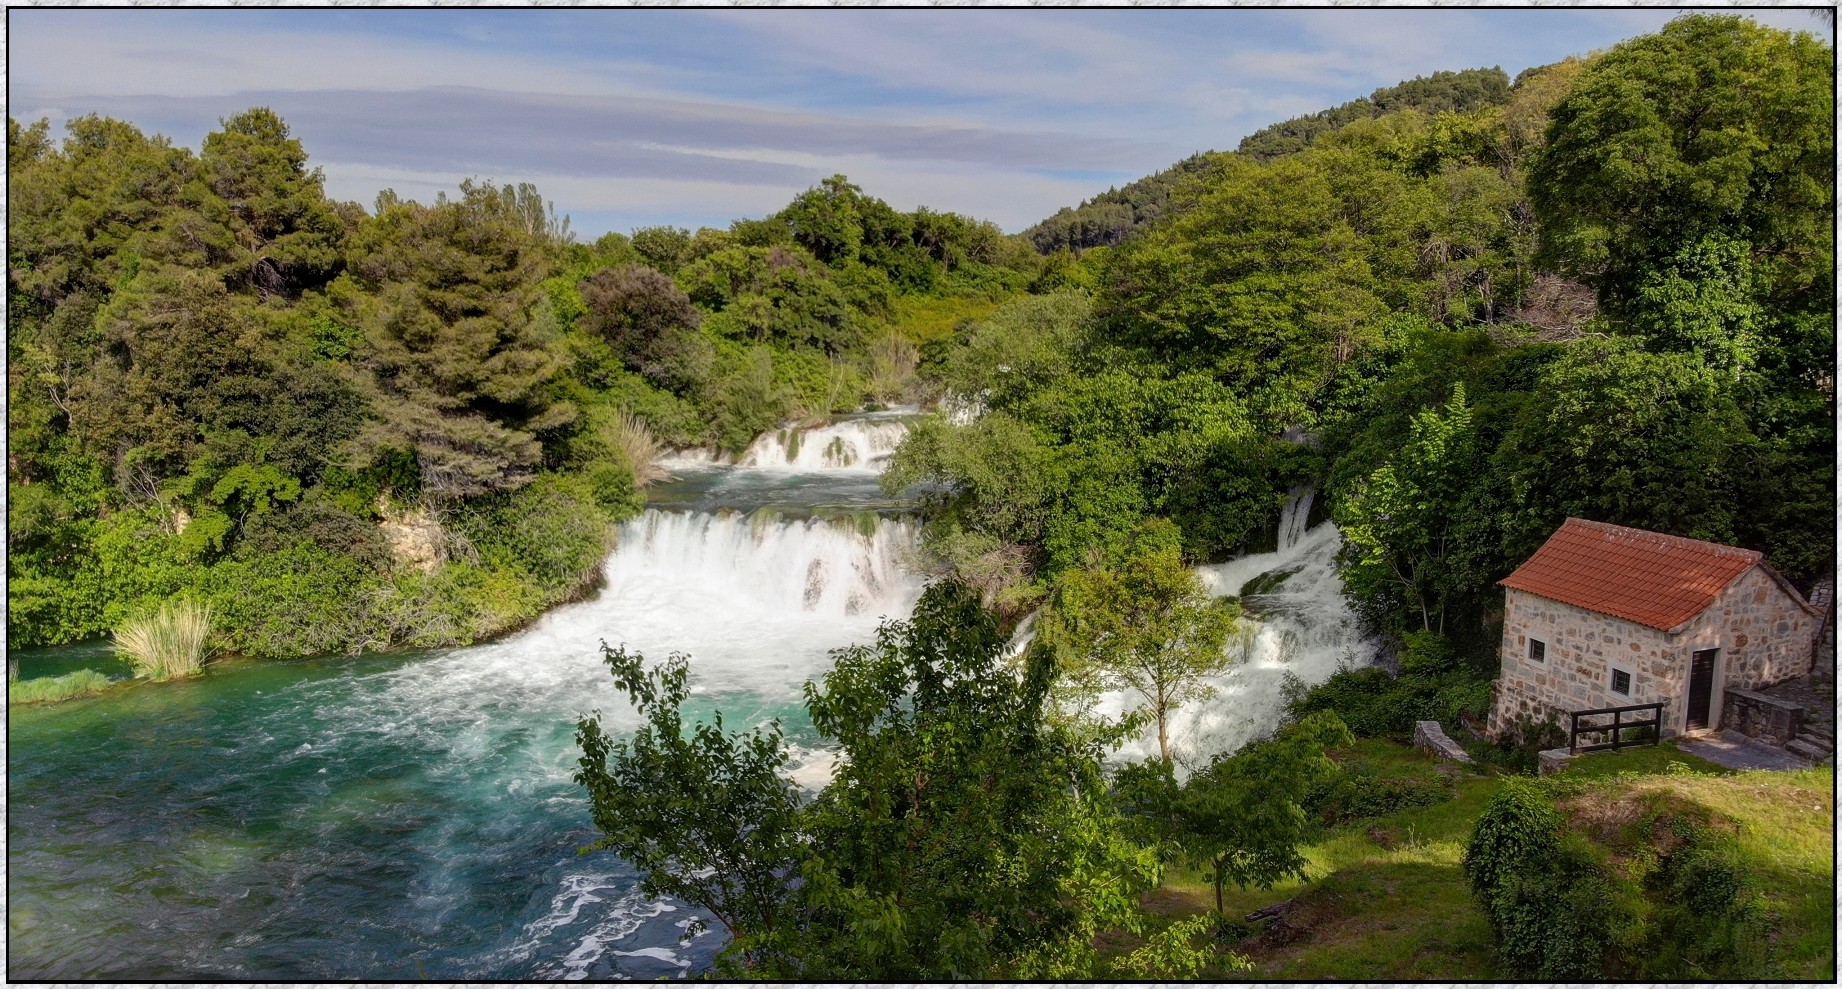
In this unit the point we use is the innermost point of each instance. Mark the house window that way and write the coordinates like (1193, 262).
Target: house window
(1538, 651)
(1621, 682)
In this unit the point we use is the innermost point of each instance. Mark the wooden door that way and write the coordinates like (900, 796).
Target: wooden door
(1701, 688)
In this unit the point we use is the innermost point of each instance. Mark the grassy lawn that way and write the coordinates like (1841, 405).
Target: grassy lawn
(1784, 823)
(1385, 899)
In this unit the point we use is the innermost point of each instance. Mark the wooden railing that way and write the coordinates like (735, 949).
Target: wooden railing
(1617, 727)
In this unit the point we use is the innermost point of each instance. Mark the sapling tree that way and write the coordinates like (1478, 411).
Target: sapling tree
(1241, 817)
(1143, 623)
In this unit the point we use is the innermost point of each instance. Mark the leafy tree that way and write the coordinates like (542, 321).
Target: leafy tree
(825, 220)
(650, 323)
(1713, 126)
(1142, 623)
(1403, 526)
(1618, 435)
(1241, 817)
(963, 835)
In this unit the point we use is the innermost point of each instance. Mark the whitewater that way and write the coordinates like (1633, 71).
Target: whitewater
(413, 816)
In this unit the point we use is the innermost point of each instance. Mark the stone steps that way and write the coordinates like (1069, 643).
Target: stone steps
(1804, 747)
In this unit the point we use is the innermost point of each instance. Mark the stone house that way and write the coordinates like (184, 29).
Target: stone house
(1605, 616)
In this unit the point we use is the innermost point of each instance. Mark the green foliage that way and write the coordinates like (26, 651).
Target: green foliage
(1713, 126)
(1555, 913)
(1117, 214)
(1709, 922)
(962, 835)
(1241, 817)
(1141, 622)
(552, 532)
(649, 323)
(1459, 92)
(1399, 526)
(1358, 792)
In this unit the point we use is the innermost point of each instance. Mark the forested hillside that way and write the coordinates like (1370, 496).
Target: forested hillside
(1116, 214)
(409, 425)
(1607, 293)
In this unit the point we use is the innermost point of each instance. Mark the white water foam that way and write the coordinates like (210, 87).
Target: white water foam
(1304, 628)
(849, 444)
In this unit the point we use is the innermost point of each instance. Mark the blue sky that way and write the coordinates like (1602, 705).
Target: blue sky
(633, 117)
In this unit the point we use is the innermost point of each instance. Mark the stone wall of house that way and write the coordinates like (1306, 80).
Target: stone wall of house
(1764, 636)
(1583, 647)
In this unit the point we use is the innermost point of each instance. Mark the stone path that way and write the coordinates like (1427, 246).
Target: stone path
(1735, 751)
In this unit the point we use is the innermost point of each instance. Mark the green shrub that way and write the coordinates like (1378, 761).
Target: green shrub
(1555, 914)
(552, 530)
(302, 599)
(168, 642)
(1708, 922)
(1433, 685)
(1357, 792)
(48, 689)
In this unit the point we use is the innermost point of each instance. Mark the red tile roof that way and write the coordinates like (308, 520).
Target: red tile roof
(1645, 577)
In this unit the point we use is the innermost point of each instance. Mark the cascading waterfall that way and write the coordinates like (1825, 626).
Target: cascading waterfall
(414, 816)
(1295, 622)
(859, 443)
(1293, 516)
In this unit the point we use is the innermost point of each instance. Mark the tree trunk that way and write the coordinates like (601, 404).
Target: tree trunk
(1220, 881)
(1163, 734)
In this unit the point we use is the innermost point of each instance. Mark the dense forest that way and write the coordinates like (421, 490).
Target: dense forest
(410, 426)
(1463, 308)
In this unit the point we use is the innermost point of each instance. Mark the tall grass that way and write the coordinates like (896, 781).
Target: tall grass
(166, 643)
(630, 435)
(45, 689)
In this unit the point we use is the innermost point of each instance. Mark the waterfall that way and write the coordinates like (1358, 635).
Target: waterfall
(835, 567)
(1295, 621)
(1293, 516)
(849, 444)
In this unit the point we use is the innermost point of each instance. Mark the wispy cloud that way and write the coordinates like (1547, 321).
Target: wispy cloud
(637, 116)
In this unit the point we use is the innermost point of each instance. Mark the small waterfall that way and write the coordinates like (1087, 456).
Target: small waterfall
(849, 444)
(1295, 622)
(822, 566)
(1293, 516)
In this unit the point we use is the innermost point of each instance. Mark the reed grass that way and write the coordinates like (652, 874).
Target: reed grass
(630, 435)
(44, 690)
(167, 643)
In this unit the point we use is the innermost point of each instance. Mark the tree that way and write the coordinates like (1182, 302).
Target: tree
(650, 323)
(455, 360)
(963, 834)
(1241, 817)
(1713, 126)
(704, 816)
(1402, 527)
(1142, 623)
(286, 235)
(1618, 435)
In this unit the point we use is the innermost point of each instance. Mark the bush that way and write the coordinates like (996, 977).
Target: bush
(166, 643)
(1708, 922)
(552, 531)
(1555, 914)
(1434, 685)
(300, 600)
(1357, 792)
(48, 689)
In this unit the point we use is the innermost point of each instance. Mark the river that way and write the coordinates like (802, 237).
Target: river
(411, 815)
